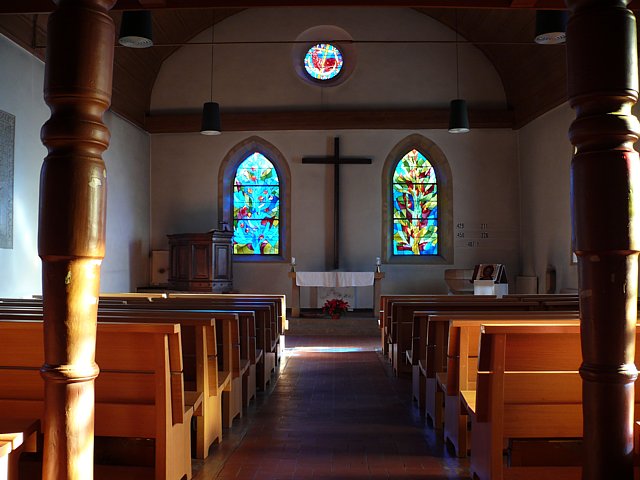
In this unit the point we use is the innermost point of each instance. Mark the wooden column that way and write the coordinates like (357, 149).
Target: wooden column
(603, 86)
(71, 234)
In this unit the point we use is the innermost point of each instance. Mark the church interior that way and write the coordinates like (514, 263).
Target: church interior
(110, 196)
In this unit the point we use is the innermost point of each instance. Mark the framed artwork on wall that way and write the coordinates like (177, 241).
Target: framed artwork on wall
(7, 141)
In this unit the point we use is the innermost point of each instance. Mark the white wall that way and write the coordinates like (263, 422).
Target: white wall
(485, 177)
(545, 159)
(483, 163)
(250, 76)
(126, 262)
(21, 78)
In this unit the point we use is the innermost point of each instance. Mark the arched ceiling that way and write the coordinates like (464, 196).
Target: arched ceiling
(534, 76)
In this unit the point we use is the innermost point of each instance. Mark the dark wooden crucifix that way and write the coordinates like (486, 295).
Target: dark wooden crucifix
(336, 160)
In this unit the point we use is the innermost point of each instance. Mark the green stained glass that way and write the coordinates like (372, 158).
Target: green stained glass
(256, 207)
(415, 206)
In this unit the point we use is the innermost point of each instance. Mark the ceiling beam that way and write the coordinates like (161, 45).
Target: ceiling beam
(45, 6)
(328, 120)
(523, 3)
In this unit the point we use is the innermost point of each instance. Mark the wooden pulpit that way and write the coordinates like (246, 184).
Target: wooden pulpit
(201, 262)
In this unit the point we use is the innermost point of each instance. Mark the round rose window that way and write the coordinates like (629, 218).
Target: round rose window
(323, 61)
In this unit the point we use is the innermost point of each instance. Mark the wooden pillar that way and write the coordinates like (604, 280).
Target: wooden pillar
(603, 86)
(71, 234)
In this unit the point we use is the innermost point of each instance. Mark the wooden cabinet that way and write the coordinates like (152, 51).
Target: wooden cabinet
(201, 262)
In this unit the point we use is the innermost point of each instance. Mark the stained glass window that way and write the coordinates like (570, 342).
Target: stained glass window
(323, 61)
(415, 206)
(256, 207)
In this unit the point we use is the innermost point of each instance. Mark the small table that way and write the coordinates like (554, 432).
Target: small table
(332, 279)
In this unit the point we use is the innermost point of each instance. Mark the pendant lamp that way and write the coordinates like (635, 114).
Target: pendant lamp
(458, 115)
(211, 109)
(136, 29)
(551, 27)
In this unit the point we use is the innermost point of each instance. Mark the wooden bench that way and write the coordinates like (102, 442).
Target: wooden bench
(213, 363)
(402, 320)
(280, 302)
(432, 344)
(257, 315)
(386, 307)
(462, 367)
(265, 318)
(528, 386)
(141, 378)
(17, 435)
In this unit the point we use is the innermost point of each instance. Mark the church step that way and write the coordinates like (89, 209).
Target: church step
(352, 323)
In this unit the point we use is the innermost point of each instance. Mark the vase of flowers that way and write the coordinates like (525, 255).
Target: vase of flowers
(335, 307)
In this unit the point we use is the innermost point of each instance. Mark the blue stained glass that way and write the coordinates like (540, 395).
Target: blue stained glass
(415, 206)
(256, 207)
(415, 237)
(323, 61)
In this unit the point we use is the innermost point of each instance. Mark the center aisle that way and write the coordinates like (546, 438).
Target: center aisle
(336, 413)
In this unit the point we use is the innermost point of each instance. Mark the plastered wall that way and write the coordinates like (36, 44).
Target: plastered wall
(545, 159)
(484, 164)
(126, 262)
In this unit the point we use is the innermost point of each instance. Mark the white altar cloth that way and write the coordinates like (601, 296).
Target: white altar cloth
(334, 279)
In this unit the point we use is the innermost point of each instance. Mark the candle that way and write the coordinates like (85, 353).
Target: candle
(378, 261)
(293, 260)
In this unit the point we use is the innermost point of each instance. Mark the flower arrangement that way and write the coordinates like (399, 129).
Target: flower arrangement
(335, 307)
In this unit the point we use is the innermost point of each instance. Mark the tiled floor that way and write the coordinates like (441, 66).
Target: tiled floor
(335, 413)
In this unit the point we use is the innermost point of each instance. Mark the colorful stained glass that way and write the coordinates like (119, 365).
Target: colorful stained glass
(323, 61)
(415, 206)
(256, 207)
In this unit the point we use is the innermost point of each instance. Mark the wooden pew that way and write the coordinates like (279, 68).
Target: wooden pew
(280, 302)
(17, 435)
(528, 386)
(386, 304)
(432, 343)
(402, 320)
(141, 378)
(236, 342)
(208, 365)
(265, 317)
(462, 365)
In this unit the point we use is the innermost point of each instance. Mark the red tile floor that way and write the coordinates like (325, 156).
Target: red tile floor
(334, 412)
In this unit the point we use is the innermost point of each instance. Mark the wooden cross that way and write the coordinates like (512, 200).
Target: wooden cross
(336, 160)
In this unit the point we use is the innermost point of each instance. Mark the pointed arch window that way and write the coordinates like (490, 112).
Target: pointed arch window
(417, 204)
(254, 198)
(256, 207)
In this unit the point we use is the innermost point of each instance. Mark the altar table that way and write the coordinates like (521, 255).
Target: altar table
(333, 279)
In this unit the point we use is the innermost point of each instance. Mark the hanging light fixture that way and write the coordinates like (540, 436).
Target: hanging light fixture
(551, 27)
(458, 115)
(136, 29)
(211, 109)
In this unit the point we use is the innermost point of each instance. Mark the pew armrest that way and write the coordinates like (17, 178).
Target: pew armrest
(193, 400)
(18, 431)
(468, 400)
(224, 380)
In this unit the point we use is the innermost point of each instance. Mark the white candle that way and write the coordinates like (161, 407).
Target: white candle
(378, 261)
(293, 260)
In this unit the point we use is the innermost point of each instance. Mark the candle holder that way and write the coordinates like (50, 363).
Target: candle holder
(378, 263)
(293, 264)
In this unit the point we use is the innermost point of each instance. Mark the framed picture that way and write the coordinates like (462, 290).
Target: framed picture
(490, 271)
